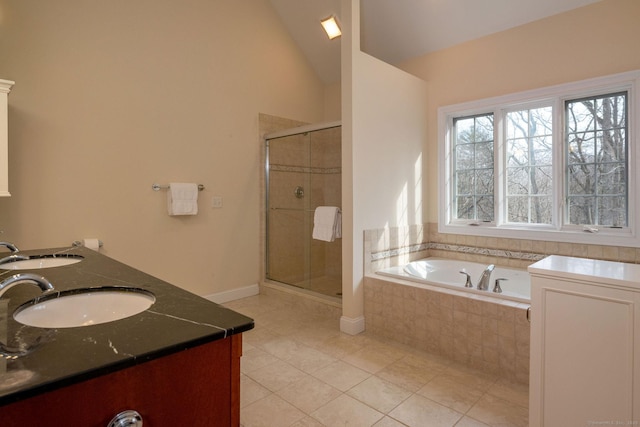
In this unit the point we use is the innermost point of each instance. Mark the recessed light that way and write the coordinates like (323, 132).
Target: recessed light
(331, 27)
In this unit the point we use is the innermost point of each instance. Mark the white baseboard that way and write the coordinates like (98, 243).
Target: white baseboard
(352, 326)
(234, 294)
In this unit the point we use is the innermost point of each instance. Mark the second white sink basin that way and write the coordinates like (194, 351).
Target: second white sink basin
(83, 307)
(35, 262)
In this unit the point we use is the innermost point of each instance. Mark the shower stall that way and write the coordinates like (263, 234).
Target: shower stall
(303, 171)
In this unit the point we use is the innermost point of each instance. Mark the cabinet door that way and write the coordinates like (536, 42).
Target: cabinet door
(582, 354)
(195, 387)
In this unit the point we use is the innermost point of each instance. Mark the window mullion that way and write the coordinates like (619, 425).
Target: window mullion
(559, 165)
(499, 167)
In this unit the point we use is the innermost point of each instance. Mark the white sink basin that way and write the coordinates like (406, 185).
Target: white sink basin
(40, 262)
(83, 307)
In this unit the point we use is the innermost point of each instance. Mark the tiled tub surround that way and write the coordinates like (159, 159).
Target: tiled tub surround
(485, 333)
(396, 246)
(488, 334)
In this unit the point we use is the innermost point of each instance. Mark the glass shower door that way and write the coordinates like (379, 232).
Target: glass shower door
(303, 172)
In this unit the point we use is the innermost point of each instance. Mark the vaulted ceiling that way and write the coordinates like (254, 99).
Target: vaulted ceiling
(396, 30)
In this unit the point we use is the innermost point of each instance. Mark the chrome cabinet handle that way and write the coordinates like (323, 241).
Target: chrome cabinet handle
(127, 418)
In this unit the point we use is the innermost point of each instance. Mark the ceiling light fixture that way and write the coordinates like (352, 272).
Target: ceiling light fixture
(331, 27)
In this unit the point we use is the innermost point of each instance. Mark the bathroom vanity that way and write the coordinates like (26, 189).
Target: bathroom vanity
(585, 350)
(176, 363)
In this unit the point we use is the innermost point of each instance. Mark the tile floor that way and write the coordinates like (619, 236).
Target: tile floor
(299, 370)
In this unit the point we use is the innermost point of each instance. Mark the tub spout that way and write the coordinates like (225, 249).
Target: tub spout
(40, 281)
(483, 283)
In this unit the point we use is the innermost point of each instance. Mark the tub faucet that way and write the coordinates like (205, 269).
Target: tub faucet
(40, 281)
(483, 283)
(9, 246)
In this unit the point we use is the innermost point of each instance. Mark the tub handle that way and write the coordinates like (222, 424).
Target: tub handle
(468, 283)
(496, 288)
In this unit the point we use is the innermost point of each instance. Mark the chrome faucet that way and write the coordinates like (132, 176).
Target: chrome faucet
(12, 258)
(9, 246)
(483, 283)
(40, 281)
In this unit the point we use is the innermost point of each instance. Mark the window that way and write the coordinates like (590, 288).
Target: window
(596, 143)
(473, 160)
(553, 164)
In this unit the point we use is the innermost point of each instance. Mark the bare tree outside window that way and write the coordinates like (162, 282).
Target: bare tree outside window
(529, 166)
(597, 171)
(473, 167)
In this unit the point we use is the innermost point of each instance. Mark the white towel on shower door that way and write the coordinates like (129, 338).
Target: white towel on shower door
(327, 223)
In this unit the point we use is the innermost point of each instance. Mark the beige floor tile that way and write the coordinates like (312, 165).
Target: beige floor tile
(307, 422)
(276, 375)
(259, 336)
(470, 377)
(418, 411)
(314, 336)
(255, 358)
(341, 375)
(370, 359)
(264, 412)
(379, 394)
(251, 391)
(499, 412)
(297, 354)
(513, 392)
(470, 422)
(410, 372)
(299, 370)
(446, 391)
(342, 345)
(346, 411)
(388, 422)
(310, 360)
(308, 394)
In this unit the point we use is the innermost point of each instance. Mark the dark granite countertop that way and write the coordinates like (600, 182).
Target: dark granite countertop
(54, 358)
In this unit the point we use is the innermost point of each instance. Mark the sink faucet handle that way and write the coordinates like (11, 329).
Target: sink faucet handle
(496, 288)
(468, 283)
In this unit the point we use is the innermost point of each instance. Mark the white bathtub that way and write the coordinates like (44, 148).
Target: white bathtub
(446, 273)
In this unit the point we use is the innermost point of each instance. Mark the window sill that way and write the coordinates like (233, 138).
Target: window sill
(604, 237)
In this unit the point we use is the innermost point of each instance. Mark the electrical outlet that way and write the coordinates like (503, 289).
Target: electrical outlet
(216, 202)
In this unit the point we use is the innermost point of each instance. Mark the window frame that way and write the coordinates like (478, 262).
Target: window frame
(555, 96)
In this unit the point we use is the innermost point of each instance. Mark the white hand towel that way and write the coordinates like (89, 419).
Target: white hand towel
(182, 199)
(327, 223)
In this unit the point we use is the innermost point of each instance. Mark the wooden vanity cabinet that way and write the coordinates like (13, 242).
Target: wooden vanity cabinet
(195, 387)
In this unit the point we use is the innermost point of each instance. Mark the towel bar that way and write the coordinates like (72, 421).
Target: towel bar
(158, 187)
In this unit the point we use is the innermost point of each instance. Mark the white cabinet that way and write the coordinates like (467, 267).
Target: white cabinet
(585, 358)
(5, 88)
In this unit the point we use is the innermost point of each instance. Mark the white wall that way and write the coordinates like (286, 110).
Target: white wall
(384, 129)
(112, 96)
